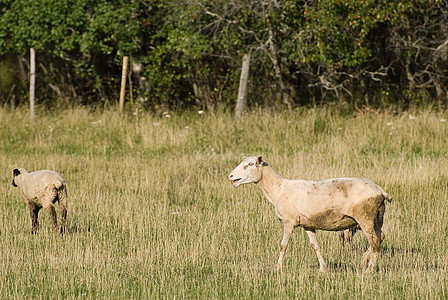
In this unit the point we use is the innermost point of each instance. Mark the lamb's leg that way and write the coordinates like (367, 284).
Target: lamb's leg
(34, 212)
(313, 239)
(63, 207)
(63, 219)
(287, 232)
(52, 212)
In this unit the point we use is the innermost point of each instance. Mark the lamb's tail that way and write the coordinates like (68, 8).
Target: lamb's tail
(62, 196)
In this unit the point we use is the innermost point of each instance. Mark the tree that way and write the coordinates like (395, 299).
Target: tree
(302, 52)
(81, 42)
(418, 45)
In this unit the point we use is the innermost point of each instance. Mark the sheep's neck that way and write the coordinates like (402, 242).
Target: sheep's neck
(270, 183)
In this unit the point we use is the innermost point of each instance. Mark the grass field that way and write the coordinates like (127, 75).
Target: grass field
(151, 214)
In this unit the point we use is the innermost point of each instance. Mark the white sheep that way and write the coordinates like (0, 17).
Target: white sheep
(332, 204)
(42, 189)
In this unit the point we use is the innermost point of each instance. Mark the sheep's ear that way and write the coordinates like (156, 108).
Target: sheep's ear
(16, 172)
(261, 162)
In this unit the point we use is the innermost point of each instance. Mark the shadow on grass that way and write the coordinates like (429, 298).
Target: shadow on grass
(78, 229)
(385, 250)
(341, 267)
(392, 251)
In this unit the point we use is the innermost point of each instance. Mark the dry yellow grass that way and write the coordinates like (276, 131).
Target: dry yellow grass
(152, 215)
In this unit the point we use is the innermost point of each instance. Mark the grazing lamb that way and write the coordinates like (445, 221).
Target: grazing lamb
(42, 189)
(332, 204)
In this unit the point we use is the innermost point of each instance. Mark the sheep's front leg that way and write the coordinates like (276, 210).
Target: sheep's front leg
(313, 239)
(287, 232)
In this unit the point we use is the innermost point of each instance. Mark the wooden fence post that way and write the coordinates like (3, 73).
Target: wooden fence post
(32, 81)
(123, 83)
(241, 100)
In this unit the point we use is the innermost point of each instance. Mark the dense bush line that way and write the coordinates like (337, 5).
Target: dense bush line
(187, 53)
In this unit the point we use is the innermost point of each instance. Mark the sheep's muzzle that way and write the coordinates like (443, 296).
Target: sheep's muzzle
(235, 181)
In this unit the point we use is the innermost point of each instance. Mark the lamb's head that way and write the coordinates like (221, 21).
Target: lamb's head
(249, 170)
(16, 175)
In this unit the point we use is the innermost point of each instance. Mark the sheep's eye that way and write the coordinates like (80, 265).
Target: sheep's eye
(251, 164)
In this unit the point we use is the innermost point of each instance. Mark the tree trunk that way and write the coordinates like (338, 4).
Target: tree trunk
(123, 83)
(32, 81)
(241, 100)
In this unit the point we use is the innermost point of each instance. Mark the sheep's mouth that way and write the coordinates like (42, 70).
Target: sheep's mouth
(235, 181)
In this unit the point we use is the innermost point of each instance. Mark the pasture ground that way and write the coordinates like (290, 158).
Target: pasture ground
(151, 214)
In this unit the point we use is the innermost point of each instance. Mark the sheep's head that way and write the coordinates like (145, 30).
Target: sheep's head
(249, 170)
(15, 173)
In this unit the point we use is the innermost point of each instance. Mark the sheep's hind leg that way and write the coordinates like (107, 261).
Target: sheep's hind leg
(349, 238)
(350, 235)
(342, 239)
(34, 212)
(63, 219)
(313, 240)
(379, 221)
(287, 232)
(52, 212)
(373, 234)
(63, 208)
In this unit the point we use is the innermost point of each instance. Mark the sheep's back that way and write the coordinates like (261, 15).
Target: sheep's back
(40, 184)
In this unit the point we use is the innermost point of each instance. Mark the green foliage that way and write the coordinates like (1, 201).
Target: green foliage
(7, 75)
(64, 25)
(303, 52)
(81, 37)
(43, 25)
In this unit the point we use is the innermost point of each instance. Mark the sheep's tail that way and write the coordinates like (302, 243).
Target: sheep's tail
(387, 196)
(62, 196)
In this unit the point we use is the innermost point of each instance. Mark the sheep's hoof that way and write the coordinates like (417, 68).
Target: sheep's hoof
(368, 270)
(365, 260)
(323, 269)
(364, 264)
(372, 267)
(278, 267)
